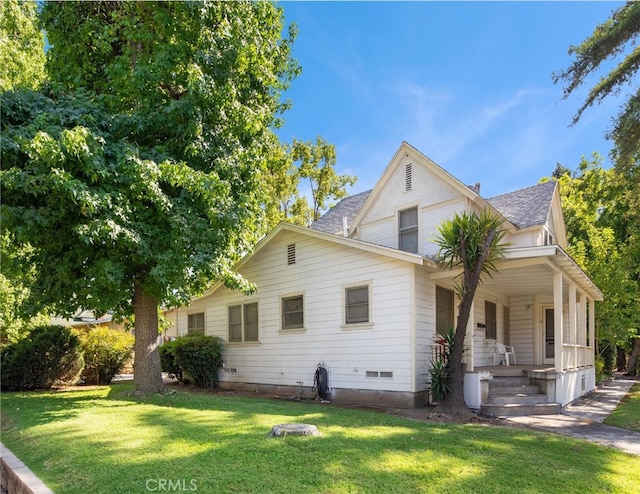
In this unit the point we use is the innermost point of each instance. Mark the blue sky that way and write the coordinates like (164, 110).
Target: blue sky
(467, 83)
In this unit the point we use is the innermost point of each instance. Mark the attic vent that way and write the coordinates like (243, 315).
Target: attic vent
(408, 171)
(291, 254)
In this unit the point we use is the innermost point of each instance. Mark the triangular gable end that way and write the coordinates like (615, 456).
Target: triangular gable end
(407, 154)
(377, 249)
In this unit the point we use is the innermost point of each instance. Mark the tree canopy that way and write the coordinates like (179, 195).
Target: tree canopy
(135, 176)
(21, 46)
(614, 39)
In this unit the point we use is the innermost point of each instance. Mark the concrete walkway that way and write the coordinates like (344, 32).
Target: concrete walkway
(584, 418)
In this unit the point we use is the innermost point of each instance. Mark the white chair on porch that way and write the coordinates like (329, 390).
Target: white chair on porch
(502, 349)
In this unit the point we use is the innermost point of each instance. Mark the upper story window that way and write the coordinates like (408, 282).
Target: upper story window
(547, 238)
(408, 230)
(195, 323)
(243, 322)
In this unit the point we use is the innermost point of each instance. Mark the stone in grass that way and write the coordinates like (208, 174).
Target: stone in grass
(282, 430)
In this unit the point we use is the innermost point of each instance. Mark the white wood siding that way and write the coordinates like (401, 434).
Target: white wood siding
(484, 348)
(523, 328)
(425, 326)
(320, 274)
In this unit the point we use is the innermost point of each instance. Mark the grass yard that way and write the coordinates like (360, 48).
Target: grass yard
(102, 440)
(627, 415)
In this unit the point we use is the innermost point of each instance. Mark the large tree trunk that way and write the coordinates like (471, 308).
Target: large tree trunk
(147, 374)
(633, 358)
(454, 402)
(621, 359)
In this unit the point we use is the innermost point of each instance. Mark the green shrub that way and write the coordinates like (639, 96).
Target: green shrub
(105, 352)
(48, 356)
(168, 361)
(439, 371)
(199, 357)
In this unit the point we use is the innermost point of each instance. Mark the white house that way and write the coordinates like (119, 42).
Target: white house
(361, 293)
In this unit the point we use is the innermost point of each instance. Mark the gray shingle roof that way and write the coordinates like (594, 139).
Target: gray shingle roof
(526, 207)
(331, 221)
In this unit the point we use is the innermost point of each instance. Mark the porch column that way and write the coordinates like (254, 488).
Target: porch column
(592, 322)
(557, 321)
(573, 326)
(582, 328)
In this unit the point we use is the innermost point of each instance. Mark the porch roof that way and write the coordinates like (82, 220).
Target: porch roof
(530, 270)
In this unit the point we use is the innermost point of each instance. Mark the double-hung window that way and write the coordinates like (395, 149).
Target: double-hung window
(293, 312)
(408, 230)
(243, 323)
(357, 305)
(195, 323)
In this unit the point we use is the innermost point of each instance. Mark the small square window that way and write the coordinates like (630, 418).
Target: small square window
(293, 312)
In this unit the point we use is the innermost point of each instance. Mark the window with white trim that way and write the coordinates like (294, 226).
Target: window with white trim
(195, 323)
(243, 323)
(293, 312)
(408, 230)
(357, 304)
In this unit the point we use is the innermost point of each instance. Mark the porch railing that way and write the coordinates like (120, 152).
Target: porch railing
(576, 356)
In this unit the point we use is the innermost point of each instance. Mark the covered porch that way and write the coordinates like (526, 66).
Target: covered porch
(547, 321)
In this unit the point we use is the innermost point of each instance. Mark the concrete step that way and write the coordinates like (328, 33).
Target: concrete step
(517, 410)
(509, 381)
(528, 389)
(519, 399)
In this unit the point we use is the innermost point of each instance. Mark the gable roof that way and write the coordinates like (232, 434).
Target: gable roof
(526, 207)
(522, 208)
(333, 220)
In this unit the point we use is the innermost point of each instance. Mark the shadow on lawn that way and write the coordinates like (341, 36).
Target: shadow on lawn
(220, 444)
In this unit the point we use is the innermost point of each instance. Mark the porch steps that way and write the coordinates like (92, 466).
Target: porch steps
(515, 396)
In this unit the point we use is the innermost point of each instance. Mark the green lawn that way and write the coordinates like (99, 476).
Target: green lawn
(101, 440)
(627, 415)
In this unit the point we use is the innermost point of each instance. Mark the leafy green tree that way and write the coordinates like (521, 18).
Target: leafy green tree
(136, 177)
(590, 199)
(474, 242)
(316, 164)
(21, 45)
(615, 38)
(21, 65)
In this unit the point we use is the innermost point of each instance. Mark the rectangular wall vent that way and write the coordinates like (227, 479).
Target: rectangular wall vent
(230, 370)
(408, 176)
(291, 254)
(381, 374)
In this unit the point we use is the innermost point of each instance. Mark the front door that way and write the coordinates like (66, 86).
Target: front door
(549, 339)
